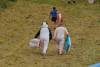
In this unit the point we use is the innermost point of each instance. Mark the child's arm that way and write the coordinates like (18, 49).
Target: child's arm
(66, 31)
(54, 35)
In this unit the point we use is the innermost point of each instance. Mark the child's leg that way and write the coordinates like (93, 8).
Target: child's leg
(45, 47)
(58, 45)
(41, 45)
(61, 45)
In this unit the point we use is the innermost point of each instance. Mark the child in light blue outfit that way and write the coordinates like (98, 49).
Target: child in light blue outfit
(45, 36)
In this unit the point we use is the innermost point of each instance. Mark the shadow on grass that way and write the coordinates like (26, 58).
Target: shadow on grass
(6, 3)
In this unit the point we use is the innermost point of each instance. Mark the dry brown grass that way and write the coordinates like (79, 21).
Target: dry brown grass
(18, 24)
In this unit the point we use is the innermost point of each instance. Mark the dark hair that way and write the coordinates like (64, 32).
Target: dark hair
(54, 8)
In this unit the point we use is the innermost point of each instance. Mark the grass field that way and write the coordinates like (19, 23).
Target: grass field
(20, 22)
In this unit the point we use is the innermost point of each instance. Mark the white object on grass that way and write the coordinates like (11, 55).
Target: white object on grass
(34, 43)
(91, 1)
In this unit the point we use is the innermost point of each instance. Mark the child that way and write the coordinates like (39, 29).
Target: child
(59, 37)
(45, 35)
(53, 14)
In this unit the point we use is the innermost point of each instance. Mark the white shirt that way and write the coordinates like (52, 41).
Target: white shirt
(60, 32)
(44, 32)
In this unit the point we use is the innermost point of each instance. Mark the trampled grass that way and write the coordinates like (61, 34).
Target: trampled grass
(19, 23)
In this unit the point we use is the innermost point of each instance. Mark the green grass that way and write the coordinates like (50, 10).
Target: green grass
(19, 23)
(6, 3)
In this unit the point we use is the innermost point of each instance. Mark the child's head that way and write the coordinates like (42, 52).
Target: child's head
(44, 24)
(54, 8)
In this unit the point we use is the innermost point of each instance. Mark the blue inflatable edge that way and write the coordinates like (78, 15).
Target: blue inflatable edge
(95, 65)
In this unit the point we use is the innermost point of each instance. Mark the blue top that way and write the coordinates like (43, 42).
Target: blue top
(53, 13)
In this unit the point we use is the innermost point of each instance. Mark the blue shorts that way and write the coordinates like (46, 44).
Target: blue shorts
(54, 19)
